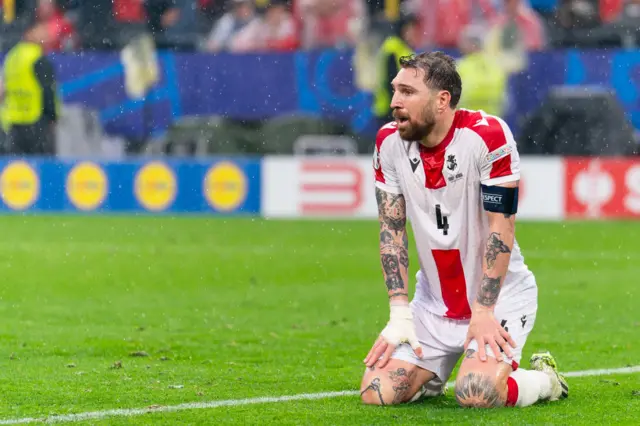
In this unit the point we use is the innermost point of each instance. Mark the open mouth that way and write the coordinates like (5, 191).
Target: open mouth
(401, 120)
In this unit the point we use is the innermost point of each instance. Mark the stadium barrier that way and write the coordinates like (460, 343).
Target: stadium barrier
(215, 186)
(552, 188)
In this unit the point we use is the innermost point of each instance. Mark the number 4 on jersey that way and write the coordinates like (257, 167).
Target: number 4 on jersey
(443, 222)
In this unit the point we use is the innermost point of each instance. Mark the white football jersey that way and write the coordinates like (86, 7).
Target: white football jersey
(441, 187)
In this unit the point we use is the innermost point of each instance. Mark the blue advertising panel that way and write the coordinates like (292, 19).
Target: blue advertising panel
(321, 83)
(215, 186)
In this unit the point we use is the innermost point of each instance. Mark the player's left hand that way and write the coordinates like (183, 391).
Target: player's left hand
(485, 329)
(399, 329)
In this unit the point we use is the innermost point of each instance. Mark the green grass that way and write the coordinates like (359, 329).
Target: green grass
(230, 309)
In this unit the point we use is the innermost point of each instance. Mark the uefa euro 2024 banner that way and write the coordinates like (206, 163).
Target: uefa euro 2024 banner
(215, 186)
(319, 83)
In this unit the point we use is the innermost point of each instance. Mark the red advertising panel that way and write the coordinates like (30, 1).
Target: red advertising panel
(602, 188)
(333, 188)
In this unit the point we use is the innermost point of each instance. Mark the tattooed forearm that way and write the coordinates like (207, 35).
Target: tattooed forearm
(495, 246)
(403, 257)
(386, 238)
(392, 210)
(394, 242)
(389, 245)
(395, 259)
(489, 291)
(469, 353)
(477, 390)
(391, 267)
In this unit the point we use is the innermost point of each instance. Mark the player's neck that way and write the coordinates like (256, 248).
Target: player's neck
(440, 130)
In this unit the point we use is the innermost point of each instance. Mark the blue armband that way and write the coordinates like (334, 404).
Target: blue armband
(498, 199)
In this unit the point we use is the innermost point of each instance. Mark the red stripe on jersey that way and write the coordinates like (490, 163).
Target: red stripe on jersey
(494, 137)
(501, 168)
(452, 283)
(491, 132)
(384, 132)
(433, 158)
(432, 163)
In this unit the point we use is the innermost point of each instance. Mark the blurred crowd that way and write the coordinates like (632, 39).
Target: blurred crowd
(285, 25)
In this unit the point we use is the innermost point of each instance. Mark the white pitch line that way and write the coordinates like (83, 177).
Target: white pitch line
(124, 412)
(604, 372)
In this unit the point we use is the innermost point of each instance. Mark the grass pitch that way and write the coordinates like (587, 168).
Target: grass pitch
(116, 313)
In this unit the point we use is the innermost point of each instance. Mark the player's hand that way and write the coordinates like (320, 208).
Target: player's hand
(399, 329)
(485, 329)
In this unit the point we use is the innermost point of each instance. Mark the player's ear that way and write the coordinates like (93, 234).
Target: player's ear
(443, 100)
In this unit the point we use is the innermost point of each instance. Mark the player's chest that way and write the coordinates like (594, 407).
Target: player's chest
(443, 175)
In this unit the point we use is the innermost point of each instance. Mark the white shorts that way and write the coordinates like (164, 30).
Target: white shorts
(442, 340)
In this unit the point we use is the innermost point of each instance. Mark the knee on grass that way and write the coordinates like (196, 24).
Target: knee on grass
(480, 390)
(388, 388)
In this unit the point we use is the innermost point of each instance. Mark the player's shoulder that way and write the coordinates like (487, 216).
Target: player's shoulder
(386, 133)
(491, 130)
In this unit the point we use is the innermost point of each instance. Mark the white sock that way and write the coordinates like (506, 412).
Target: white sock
(530, 387)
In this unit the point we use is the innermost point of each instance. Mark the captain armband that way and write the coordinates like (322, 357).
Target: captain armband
(497, 199)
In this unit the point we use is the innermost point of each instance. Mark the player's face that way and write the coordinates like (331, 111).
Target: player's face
(413, 104)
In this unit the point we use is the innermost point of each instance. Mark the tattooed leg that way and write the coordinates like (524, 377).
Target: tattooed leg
(401, 384)
(396, 383)
(375, 387)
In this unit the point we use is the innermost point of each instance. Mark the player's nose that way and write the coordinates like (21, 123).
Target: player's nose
(395, 101)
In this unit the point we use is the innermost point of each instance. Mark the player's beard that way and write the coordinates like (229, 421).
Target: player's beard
(416, 129)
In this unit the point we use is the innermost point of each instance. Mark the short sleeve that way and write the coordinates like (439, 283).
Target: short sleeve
(499, 161)
(386, 177)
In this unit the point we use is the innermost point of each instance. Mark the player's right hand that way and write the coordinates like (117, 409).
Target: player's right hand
(399, 329)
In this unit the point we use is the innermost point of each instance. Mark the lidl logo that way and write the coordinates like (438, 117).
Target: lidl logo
(225, 186)
(155, 186)
(20, 185)
(87, 186)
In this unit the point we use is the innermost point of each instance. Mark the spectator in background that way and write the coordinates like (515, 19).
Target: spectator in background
(403, 43)
(442, 21)
(94, 23)
(609, 10)
(577, 14)
(517, 27)
(484, 81)
(161, 15)
(61, 34)
(630, 12)
(274, 31)
(242, 14)
(130, 11)
(212, 9)
(384, 10)
(29, 111)
(329, 23)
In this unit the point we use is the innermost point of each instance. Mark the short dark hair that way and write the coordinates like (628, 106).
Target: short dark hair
(440, 72)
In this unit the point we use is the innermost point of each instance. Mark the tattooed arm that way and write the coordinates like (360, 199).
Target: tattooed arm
(393, 244)
(497, 253)
(484, 328)
(395, 267)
